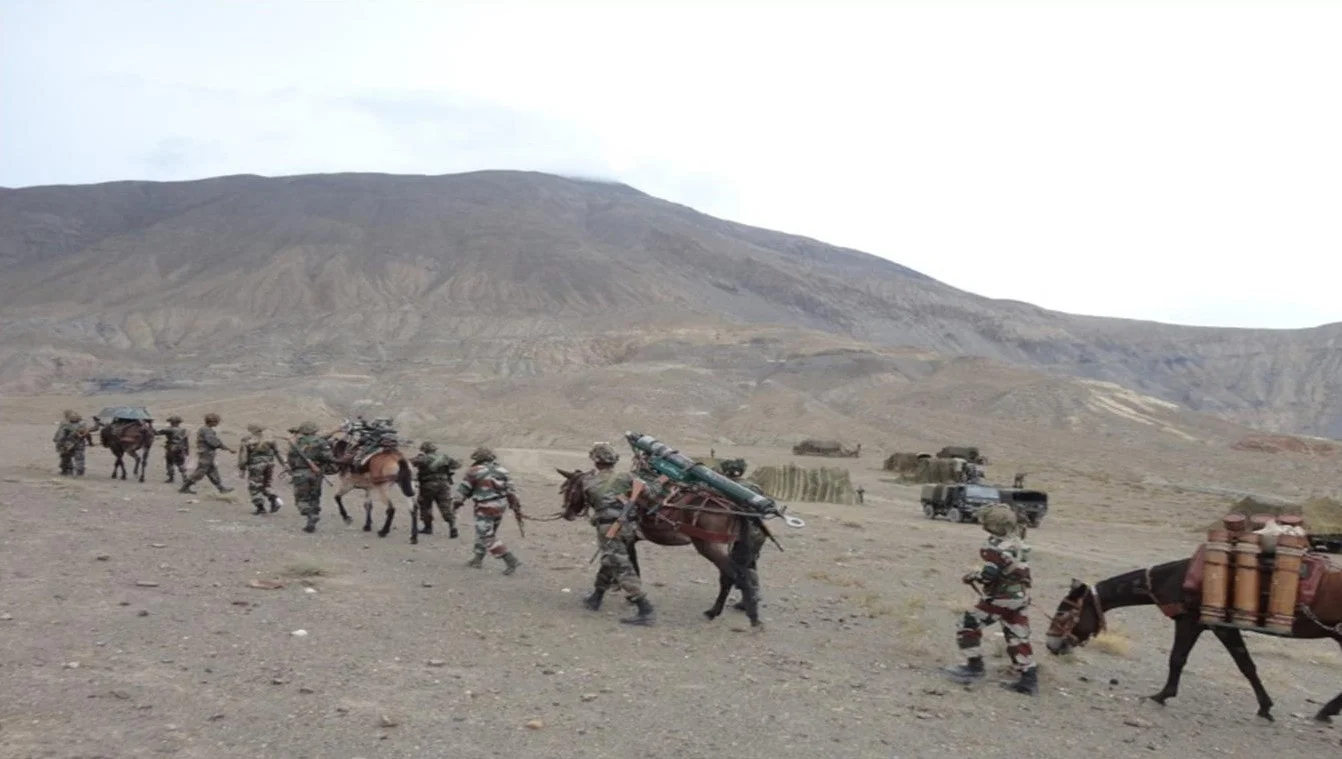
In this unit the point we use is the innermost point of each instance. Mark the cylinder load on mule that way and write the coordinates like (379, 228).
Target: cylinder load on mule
(1216, 575)
(681, 468)
(1237, 554)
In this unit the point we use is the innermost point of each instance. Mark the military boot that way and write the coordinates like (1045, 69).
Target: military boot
(275, 503)
(452, 531)
(260, 508)
(593, 601)
(311, 526)
(476, 561)
(225, 489)
(186, 488)
(1027, 684)
(512, 563)
(645, 615)
(967, 672)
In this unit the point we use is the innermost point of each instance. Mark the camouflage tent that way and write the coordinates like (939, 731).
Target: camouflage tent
(833, 448)
(967, 452)
(904, 463)
(795, 483)
(119, 413)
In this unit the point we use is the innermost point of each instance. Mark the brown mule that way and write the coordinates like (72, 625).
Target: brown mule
(374, 478)
(1081, 615)
(131, 436)
(717, 528)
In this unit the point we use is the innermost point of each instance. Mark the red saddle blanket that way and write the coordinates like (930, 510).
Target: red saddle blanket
(1312, 569)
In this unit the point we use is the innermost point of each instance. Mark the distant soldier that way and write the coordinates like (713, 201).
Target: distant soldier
(607, 492)
(256, 460)
(487, 483)
(735, 469)
(1005, 577)
(207, 444)
(1019, 482)
(860, 491)
(176, 447)
(309, 453)
(434, 473)
(72, 437)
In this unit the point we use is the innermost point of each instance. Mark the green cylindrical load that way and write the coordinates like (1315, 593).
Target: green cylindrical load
(681, 468)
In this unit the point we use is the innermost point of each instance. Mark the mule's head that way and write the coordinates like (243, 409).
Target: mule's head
(1078, 618)
(574, 503)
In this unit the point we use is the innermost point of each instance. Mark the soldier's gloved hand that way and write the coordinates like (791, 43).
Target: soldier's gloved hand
(972, 577)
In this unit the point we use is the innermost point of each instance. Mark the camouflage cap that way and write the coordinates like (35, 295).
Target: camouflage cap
(255, 429)
(174, 419)
(482, 454)
(428, 446)
(999, 520)
(211, 418)
(306, 428)
(603, 453)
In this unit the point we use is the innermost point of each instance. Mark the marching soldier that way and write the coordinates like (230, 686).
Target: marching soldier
(434, 473)
(308, 453)
(71, 438)
(1005, 577)
(256, 460)
(176, 447)
(487, 483)
(735, 469)
(604, 488)
(207, 444)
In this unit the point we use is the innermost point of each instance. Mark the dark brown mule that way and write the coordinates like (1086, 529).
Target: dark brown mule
(132, 436)
(374, 478)
(717, 528)
(1081, 615)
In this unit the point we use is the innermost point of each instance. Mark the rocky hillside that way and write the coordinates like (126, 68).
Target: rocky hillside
(490, 275)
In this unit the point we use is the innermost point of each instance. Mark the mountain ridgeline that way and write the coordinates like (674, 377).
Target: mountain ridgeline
(512, 274)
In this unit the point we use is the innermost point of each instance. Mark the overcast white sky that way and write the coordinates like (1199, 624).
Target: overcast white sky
(1181, 164)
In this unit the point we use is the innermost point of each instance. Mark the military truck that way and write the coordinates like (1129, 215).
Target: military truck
(1030, 504)
(831, 448)
(963, 502)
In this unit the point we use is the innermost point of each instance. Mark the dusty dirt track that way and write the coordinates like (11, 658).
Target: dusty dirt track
(129, 630)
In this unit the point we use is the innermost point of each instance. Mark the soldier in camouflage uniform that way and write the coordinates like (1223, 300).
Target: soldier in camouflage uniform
(1005, 576)
(257, 458)
(176, 446)
(308, 454)
(71, 438)
(207, 444)
(735, 469)
(487, 484)
(434, 474)
(607, 492)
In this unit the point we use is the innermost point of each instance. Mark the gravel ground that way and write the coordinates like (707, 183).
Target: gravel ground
(128, 628)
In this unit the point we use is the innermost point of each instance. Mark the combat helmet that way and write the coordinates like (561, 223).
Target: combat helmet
(733, 467)
(603, 453)
(428, 446)
(999, 520)
(211, 418)
(174, 419)
(255, 429)
(306, 428)
(71, 415)
(482, 454)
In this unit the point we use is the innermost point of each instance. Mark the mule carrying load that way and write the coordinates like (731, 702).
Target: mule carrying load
(126, 429)
(1257, 573)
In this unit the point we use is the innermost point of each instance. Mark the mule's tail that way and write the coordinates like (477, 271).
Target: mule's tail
(404, 478)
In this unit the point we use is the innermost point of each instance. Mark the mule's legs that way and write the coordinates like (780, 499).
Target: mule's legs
(138, 470)
(1332, 708)
(725, 586)
(1186, 633)
(340, 503)
(391, 510)
(414, 521)
(1233, 640)
(730, 573)
(367, 512)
